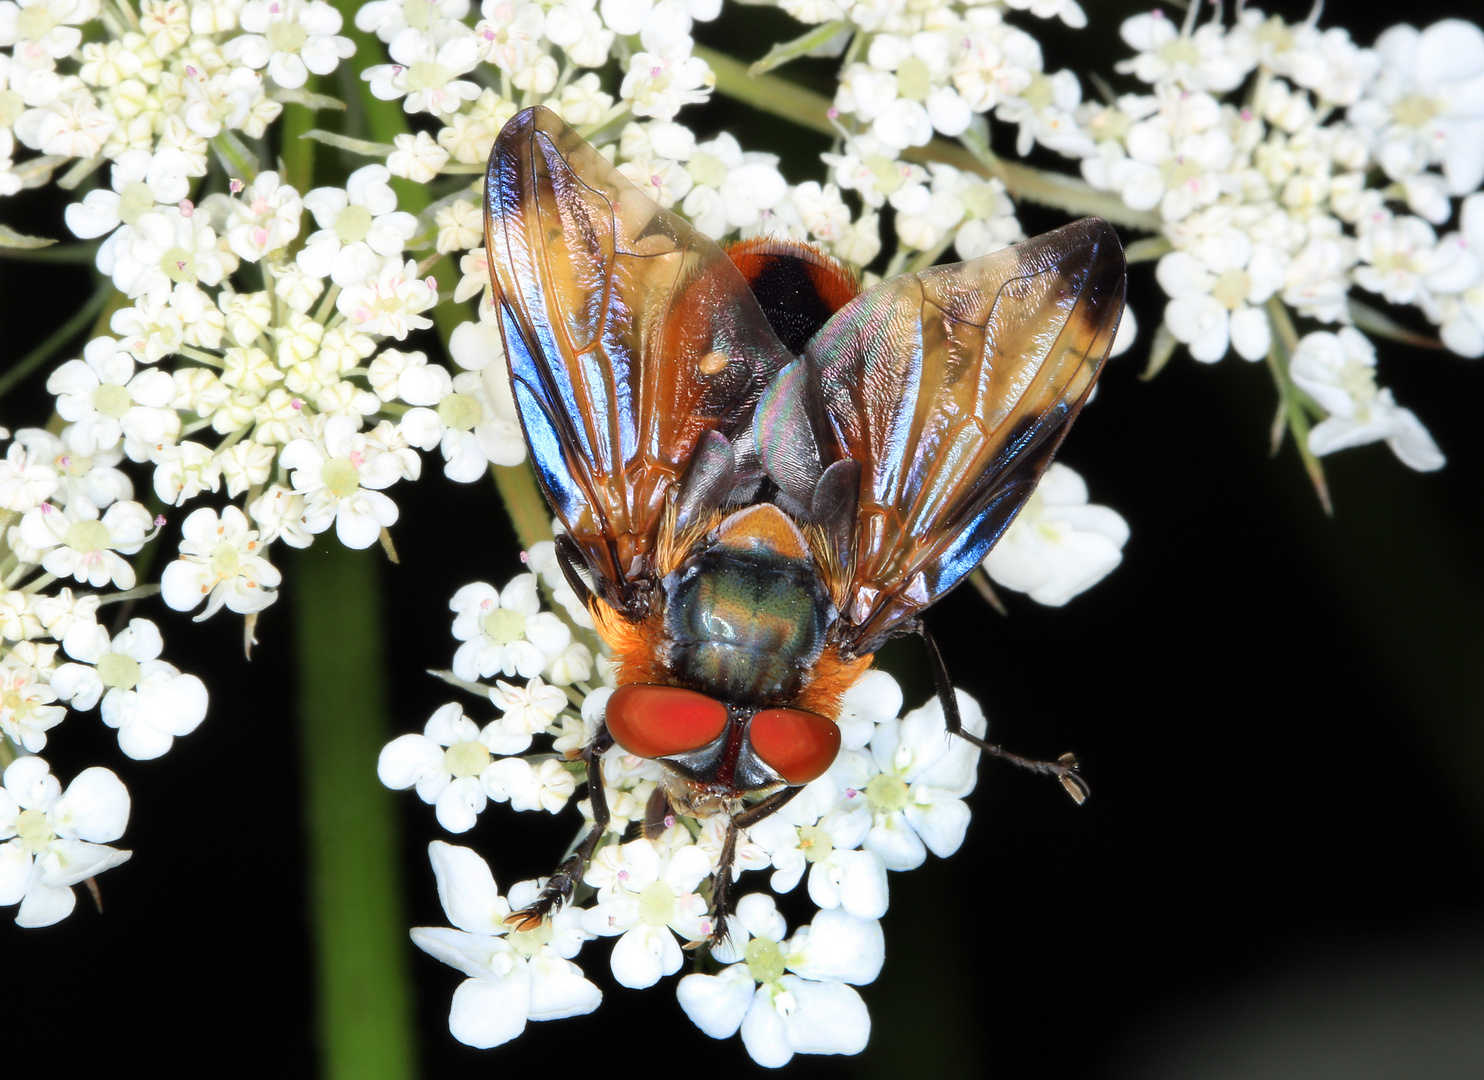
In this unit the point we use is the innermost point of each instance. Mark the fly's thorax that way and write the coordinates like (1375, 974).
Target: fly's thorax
(746, 616)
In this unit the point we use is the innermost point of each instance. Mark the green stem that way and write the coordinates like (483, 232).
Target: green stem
(364, 995)
(58, 338)
(7, 753)
(523, 502)
(365, 1019)
(1290, 402)
(782, 98)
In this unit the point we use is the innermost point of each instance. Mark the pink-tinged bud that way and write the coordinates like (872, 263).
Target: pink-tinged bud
(235, 186)
(186, 207)
(159, 521)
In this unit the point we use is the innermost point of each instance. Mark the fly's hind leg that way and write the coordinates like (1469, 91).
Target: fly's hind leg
(721, 882)
(560, 886)
(1063, 768)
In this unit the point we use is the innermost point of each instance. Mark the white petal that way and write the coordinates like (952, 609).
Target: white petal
(467, 889)
(44, 906)
(488, 1012)
(459, 804)
(558, 990)
(839, 947)
(67, 862)
(407, 759)
(1251, 333)
(716, 1004)
(941, 823)
(829, 1018)
(94, 807)
(764, 1033)
(643, 955)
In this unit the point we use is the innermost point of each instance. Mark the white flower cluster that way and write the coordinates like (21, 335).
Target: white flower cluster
(894, 794)
(1329, 173)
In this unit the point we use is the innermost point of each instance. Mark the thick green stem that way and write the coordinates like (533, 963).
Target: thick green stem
(365, 1007)
(782, 98)
(363, 985)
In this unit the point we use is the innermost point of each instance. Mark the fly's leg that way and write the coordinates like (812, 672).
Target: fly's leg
(721, 882)
(559, 887)
(657, 814)
(1063, 768)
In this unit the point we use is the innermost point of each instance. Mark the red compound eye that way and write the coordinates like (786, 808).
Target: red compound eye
(656, 721)
(799, 746)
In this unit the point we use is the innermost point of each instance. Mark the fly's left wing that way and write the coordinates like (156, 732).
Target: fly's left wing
(953, 388)
(630, 338)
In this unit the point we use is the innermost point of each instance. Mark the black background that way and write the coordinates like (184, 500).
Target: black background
(1279, 713)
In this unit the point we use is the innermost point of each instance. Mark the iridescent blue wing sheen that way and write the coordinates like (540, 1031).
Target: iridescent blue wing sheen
(953, 388)
(629, 337)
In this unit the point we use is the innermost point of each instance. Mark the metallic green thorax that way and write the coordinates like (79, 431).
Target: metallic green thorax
(745, 622)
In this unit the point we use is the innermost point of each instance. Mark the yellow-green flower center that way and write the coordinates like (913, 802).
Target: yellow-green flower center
(135, 201)
(887, 793)
(112, 400)
(418, 14)
(87, 536)
(34, 22)
(657, 903)
(34, 831)
(815, 842)
(884, 169)
(286, 37)
(11, 107)
(340, 478)
(460, 412)
(1415, 110)
(505, 625)
(226, 560)
(179, 265)
(353, 224)
(466, 758)
(1231, 288)
(764, 959)
(426, 75)
(914, 80)
(116, 669)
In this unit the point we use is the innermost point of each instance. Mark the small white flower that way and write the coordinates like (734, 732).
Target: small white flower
(424, 73)
(1339, 372)
(388, 301)
(788, 997)
(645, 893)
(514, 976)
(359, 226)
(149, 701)
(27, 711)
(416, 157)
(1058, 545)
(915, 800)
(220, 561)
(78, 544)
(291, 38)
(448, 762)
(505, 631)
(339, 471)
(52, 839)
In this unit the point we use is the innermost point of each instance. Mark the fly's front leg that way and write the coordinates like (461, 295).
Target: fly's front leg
(1063, 768)
(721, 882)
(559, 887)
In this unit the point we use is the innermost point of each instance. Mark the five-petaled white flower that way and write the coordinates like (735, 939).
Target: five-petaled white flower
(52, 839)
(514, 976)
(788, 996)
(149, 701)
(221, 561)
